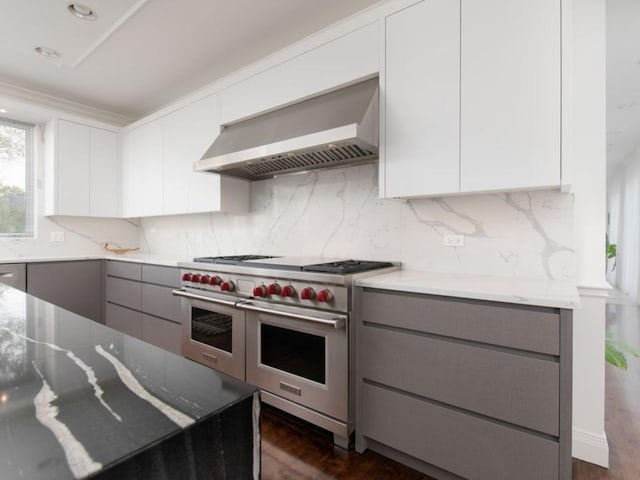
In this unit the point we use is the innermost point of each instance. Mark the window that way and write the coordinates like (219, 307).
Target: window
(16, 186)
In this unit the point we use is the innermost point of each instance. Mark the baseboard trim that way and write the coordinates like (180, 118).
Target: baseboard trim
(590, 447)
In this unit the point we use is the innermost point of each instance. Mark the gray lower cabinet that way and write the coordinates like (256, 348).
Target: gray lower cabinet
(464, 388)
(124, 320)
(14, 275)
(73, 285)
(139, 302)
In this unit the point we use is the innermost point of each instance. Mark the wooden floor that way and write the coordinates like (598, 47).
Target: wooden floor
(295, 450)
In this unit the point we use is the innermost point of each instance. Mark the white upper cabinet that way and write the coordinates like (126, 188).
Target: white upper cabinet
(510, 94)
(142, 171)
(163, 152)
(338, 62)
(73, 168)
(472, 97)
(188, 133)
(82, 170)
(421, 101)
(105, 178)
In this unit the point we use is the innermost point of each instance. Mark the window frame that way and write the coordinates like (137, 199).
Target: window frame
(29, 184)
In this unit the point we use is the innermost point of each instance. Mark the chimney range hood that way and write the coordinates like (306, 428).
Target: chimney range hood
(335, 129)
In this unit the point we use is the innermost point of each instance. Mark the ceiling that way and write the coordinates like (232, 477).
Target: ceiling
(623, 80)
(138, 55)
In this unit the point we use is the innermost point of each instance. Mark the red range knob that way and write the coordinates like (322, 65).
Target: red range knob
(215, 280)
(227, 286)
(204, 279)
(186, 277)
(288, 291)
(307, 293)
(324, 296)
(195, 278)
(260, 291)
(273, 289)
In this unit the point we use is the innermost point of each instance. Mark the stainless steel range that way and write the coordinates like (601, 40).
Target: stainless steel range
(282, 324)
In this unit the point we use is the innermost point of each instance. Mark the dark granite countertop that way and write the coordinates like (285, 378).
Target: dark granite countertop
(77, 397)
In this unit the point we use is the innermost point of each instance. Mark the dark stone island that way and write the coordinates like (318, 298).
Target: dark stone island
(80, 400)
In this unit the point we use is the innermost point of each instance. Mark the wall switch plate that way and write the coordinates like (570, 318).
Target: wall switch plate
(57, 236)
(453, 241)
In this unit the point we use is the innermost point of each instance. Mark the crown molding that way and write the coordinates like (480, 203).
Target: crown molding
(40, 99)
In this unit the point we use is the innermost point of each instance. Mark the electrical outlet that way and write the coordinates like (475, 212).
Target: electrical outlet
(57, 236)
(453, 241)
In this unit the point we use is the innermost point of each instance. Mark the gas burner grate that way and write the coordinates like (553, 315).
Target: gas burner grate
(231, 259)
(345, 267)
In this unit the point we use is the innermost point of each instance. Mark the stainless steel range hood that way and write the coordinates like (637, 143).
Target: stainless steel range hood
(335, 129)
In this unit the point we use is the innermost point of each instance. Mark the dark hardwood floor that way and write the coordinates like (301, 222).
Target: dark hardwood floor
(295, 450)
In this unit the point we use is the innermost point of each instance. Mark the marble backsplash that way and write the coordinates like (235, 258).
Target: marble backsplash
(337, 213)
(82, 236)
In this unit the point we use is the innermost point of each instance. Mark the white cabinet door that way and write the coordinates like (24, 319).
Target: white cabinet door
(422, 100)
(72, 169)
(510, 91)
(188, 133)
(83, 167)
(142, 167)
(104, 173)
(343, 60)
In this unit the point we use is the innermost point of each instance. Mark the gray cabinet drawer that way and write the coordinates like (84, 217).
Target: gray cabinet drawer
(162, 333)
(463, 444)
(14, 274)
(159, 301)
(523, 327)
(515, 388)
(124, 292)
(132, 271)
(168, 276)
(124, 320)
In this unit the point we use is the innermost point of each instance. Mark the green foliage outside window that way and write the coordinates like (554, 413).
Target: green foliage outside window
(15, 167)
(13, 212)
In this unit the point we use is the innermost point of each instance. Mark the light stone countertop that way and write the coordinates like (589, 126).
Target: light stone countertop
(524, 291)
(165, 260)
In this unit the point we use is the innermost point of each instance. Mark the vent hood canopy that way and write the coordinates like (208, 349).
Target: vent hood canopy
(335, 129)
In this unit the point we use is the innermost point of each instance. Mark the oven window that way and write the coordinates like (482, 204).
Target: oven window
(212, 328)
(298, 353)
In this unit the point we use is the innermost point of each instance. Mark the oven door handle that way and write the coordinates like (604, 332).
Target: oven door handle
(193, 296)
(338, 322)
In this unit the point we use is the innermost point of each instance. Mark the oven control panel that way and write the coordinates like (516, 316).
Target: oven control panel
(299, 293)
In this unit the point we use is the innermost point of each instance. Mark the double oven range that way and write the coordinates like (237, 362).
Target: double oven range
(282, 324)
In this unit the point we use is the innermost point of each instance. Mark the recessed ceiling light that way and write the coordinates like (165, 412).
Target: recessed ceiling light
(47, 52)
(81, 11)
(2, 110)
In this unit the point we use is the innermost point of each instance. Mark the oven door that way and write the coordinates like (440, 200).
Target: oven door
(213, 332)
(299, 356)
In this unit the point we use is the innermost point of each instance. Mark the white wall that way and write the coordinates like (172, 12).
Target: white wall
(589, 171)
(83, 236)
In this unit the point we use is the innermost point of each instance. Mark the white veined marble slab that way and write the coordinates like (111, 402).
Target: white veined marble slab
(524, 291)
